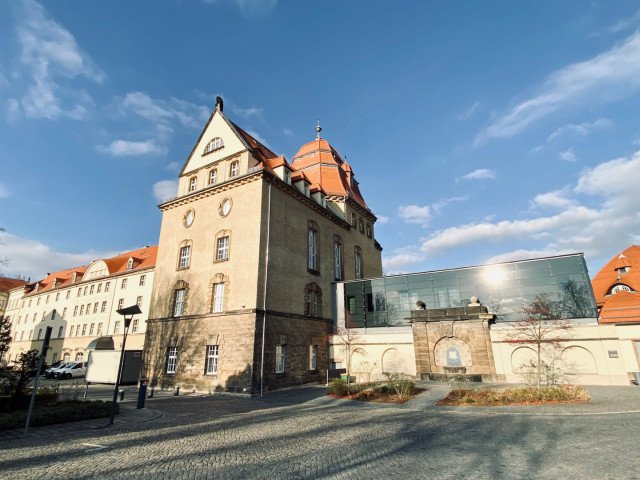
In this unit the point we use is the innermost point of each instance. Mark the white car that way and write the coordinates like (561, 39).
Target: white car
(72, 370)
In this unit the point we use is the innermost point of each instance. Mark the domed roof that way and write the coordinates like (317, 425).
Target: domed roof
(611, 273)
(323, 165)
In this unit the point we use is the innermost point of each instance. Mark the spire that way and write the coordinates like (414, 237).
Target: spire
(318, 130)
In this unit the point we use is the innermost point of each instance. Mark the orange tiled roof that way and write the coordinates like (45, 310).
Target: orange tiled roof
(323, 165)
(259, 151)
(7, 284)
(609, 276)
(623, 307)
(143, 258)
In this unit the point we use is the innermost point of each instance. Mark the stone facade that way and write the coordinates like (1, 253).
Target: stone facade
(454, 342)
(249, 241)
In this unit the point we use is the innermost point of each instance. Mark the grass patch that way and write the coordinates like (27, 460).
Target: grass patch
(395, 391)
(62, 412)
(484, 397)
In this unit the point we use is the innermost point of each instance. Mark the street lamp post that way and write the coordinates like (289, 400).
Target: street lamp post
(128, 314)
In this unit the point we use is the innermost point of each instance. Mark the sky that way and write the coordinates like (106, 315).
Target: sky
(478, 131)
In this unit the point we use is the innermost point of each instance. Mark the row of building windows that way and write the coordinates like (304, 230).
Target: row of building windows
(313, 254)
(212, 178)
(359, 223)
(221, 253)
(212, 356)
(80, 330)
(86, 290)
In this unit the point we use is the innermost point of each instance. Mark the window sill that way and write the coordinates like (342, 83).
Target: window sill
(215, 260)
(313, 272)
(212, 374)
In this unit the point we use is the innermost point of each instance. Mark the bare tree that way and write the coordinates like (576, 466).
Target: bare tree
(347, 336)
(542, 329)
(5, 336)
(4, 261)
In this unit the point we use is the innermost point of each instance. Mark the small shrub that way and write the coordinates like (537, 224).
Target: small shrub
(517, 396)
(338, 387)
(58, 413)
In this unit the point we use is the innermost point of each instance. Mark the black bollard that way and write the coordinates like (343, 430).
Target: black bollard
(142, 393)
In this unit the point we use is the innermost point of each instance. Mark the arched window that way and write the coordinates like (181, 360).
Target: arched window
(357, 258)
(338, 270)
(361, 224)
(369, 230)
(313, 263)
(213, 145)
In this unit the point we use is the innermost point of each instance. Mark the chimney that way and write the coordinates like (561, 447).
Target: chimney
(219, 103)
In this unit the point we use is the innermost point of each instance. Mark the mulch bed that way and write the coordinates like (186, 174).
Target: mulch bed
(483, 397)
(379, 397)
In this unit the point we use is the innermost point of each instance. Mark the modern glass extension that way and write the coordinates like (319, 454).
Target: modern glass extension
(506, 289)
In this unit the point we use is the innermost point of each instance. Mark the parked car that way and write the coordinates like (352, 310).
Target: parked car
(71, 370)
(49, 372)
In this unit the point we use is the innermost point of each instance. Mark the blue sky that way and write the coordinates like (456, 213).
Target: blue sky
(478, 132)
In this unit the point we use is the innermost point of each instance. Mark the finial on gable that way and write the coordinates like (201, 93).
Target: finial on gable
(219, 103)
(318, 130)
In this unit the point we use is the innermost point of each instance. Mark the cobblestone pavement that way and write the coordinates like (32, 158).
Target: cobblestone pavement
(301, 434)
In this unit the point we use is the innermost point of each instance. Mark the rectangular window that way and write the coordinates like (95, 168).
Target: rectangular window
(120, 303)
(79, 292)
(178, 306)
(81, 310)
(53, 314)
(99, 287)
(47, 300)
(38, 300)
(337, 253)
(103, 307)
(139, 302)
(99, 331)
(124, 283)
(116, 327)
(358, 264)
(223, 249)
(60, 332)
(91, 328)
(185, 254)
(280, 358)
(68, 294)
(211, 367)
(218, 297)
(134, 326)
(85, 290)
(312, 305)
(88, 308)
(64, 312)
(143, 278)
(84, 329)
(75, 311)
(213, 176)
(57, 296)
(193, 184)
(234, 170)
(72, 329)
(95, 307)
(91, 289)
(312, 258)
(172, 359)
(106, 286)
(313, 357)
(21, 335)
(39, 334)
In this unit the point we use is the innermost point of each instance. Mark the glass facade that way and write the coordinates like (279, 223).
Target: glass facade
(506, 289)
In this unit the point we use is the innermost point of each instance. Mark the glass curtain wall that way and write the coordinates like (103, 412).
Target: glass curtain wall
(506, 289)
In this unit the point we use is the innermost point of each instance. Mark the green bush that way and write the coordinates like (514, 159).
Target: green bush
(338, 387)
(57, 413)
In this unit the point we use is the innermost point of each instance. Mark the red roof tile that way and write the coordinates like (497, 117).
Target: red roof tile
(623, 307)
(609, 275)
(7, 284)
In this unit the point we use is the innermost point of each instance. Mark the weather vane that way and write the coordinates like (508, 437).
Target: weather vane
(318, 130)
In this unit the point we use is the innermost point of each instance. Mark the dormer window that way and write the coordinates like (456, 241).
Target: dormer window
(130, 264)
(37, 288)
(213, 145)
(55, 283)
(75, 276)
(234, 169)
(213, 176)
(286, 176)
(193, 184)
(621, 287)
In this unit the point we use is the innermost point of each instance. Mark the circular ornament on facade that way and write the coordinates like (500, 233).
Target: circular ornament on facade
(225, 207)
(188, 218)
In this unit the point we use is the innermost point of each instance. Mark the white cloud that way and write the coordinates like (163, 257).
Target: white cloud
(568, 155)
(165, 189)
(4, 191)
(575, 228)
(288, 132)
(52, 58)
(524, 254)
(612, 75)
(247, 112)
(625, 23)
(469, 112)
(125, 148)
(164, 112)
(415, 214)
(479, 174)
(555, 199)
(580, 129)
(258, 137)
(399, 260)
(382, 220)
(34, 259)
(443, 202)
(173, 166)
